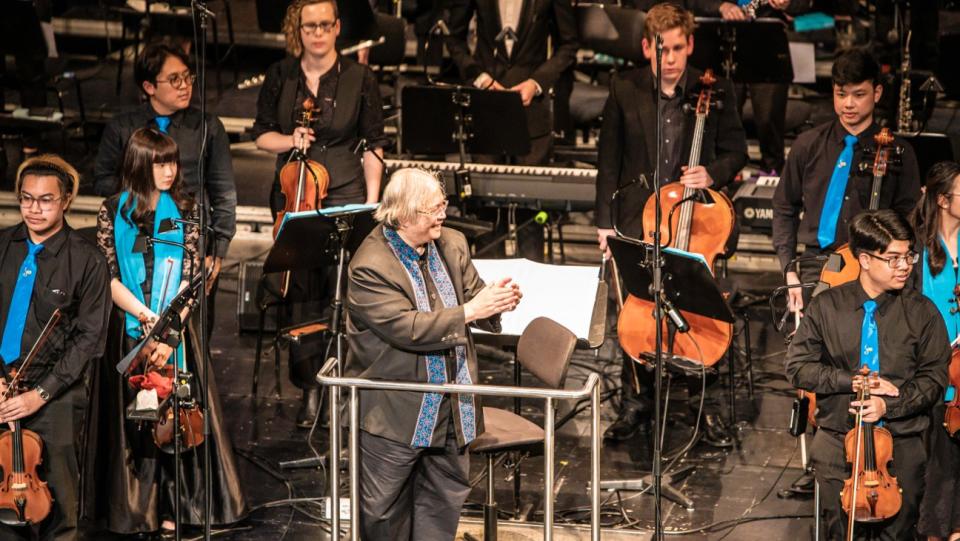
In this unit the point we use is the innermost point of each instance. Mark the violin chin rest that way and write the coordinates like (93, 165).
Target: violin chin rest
(10, 517)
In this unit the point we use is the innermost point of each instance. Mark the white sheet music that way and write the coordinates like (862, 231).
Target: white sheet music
(563, 293)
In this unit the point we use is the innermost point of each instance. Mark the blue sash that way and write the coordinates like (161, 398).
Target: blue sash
(939, 289)
(133, 270)
(436, 365)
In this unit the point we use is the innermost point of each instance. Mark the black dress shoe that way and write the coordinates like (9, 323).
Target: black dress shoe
(715, 432)
(309, 407)
(630, 422)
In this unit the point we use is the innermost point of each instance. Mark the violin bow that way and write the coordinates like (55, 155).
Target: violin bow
(34, 350)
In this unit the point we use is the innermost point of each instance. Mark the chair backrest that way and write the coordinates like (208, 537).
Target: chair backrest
(545, 348)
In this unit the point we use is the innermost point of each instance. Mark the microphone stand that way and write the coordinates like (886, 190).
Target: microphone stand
(201, 16)
(656, 288)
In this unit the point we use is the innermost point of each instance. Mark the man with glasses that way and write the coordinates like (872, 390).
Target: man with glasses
(165, 77)
(896, 333)
(45, 265)
(345, 136)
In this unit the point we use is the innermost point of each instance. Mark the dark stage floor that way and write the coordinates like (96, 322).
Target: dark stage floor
(725, 486)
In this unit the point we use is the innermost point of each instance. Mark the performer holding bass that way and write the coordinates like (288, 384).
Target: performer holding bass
(44, 266)
(937, 223)
(822, 181)
(413, 296)
(896, 333)
(627, 155)
(348, 99)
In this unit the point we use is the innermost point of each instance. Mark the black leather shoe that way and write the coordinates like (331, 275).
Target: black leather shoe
(804, 483)
(630, 422)
(715, 432)
(309, 407)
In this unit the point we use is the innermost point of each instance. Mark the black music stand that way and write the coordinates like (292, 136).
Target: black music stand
(612, 30)
(459, 119)
(688, 285)
(732, 48)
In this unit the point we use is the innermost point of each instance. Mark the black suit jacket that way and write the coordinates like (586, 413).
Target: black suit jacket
(539, 19)
(628, 144)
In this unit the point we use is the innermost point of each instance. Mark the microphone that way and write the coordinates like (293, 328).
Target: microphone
(167, 225)
(678, 320)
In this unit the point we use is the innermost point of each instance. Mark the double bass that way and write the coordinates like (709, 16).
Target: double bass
(843, 267)
(22, 492)
(303, 181)
(871, 494)
(703, 228)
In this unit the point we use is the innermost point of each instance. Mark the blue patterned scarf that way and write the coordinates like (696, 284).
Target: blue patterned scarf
(436, 365)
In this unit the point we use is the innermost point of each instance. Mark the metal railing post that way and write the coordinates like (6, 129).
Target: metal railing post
(333, 461)
(595, 463)
(354, 465)
(548, 434)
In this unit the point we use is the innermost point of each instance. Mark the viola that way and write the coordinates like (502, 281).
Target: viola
(22, 492)
(699, 227)
(303, 181)
(951, 420)
(843, 267)
(871, 494)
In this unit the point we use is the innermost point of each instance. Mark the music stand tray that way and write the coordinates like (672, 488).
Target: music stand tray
(494, 121)
(754, 51)
(320, 226)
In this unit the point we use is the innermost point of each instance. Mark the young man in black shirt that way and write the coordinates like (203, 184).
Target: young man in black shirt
(628, 154)
(822, 187)
(45, 265)
(898, 334)
(166, 78)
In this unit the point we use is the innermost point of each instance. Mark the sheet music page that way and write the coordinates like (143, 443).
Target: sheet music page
(563, 293)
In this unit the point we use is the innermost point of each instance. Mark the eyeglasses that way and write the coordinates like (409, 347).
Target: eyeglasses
(896, 261)
(46, 202)
(179, 80)
(326, 26)
(437, 210)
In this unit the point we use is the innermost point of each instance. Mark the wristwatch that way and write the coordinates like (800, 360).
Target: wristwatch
(43, 393)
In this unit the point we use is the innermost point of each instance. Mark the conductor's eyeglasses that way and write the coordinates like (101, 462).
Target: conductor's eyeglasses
(436, 210)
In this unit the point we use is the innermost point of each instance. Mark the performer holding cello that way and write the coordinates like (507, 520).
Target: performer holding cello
(348, 118)
(894, 332)
(936, 221)
(46, 266)
(627, 155)
(823, 187)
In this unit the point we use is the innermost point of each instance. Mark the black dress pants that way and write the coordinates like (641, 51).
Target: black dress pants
(408, 493)
(831, 469)
(769, 102)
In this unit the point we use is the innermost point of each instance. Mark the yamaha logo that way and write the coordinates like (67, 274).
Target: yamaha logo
(749, 213)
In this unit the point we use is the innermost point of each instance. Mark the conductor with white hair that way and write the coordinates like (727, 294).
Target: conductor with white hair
(413, 295)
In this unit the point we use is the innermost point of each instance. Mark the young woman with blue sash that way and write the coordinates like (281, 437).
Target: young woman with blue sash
(937, 223)
(134, 478)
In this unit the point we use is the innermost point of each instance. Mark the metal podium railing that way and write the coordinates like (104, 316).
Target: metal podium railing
(591, 388)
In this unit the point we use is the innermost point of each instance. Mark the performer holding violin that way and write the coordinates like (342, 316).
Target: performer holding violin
(130, 488)
(823, 185)
(627, 155)
(46, 266)
(347, 119)
(936, 221)
(895, 332)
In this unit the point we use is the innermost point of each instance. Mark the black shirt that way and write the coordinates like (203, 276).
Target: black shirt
(71, 275)
(186, 129)
(914, 355)
(672, 132)
(806, 177)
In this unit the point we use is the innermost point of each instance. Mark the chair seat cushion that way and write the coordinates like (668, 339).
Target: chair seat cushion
(505, 430)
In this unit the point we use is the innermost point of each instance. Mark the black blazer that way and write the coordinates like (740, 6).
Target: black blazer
(539, 19)
(628, 144)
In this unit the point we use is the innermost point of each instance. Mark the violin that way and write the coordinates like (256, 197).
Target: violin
(303, 181)
(22, 492)
(843, 267)
(871, 494)
(951, 419)
(703, 228)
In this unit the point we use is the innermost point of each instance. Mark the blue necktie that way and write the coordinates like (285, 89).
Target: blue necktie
(163, 122)
(869, 341)
(830, 214)
(19, 305)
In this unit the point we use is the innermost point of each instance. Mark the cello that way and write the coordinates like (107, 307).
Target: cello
(843, 267)
(300, 192)
(21, 452)
(871, 494)
(703, 228)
